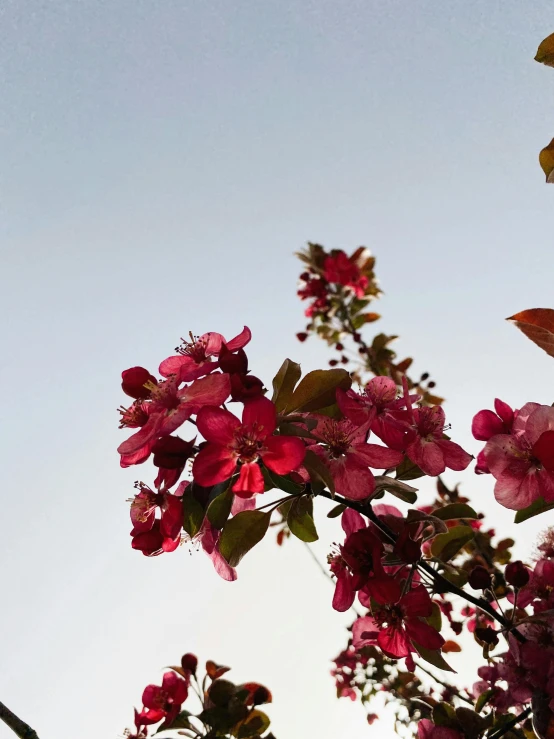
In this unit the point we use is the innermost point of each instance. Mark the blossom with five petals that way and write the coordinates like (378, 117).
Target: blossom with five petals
(196, 357)
(234, 444)
(395, 627)
(346, 453)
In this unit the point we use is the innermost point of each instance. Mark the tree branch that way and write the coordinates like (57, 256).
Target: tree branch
(444, 585)
(510, 724)
(19, 727)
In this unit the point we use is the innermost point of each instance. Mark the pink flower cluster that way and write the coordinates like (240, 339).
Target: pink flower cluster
(519, 452)
(527, 668)
(240, 453)
(397, 601)
(337, 269)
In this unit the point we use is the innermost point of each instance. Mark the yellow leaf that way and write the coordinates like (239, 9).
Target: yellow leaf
(546, 160)
(545, 52)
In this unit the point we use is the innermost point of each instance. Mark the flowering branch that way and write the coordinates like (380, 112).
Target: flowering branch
(19, 727)
(444, 585)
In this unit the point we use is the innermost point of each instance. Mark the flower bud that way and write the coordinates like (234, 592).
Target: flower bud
(302, 336)
(189, 662)
(480, 578)
(487, 635)
(517, 574)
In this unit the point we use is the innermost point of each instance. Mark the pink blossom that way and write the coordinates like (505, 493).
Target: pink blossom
(153, 536)
(169, 407)
(195, 357)
(344, 450)
(523, 462)
(395, 627)
(232, 445)
(377, 405)
(427, 446)
(165, 701)
(357, 564)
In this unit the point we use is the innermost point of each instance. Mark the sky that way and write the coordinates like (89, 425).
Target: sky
(161, 162)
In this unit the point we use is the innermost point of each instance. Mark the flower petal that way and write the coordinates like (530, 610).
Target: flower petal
(211, 390)
(424, 634)
(352, 521)
(261, 412)
(283, 454)
(214, 463)
(344, 592)
(364, 631)
(240, 340)
(217, 424)
(250, 480)
(379, 457)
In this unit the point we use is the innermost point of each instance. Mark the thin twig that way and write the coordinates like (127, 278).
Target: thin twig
(19, 727)
(444, 684)
(510, 724)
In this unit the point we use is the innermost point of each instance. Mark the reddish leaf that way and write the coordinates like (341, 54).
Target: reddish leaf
(451, 646)
(545, 52)
(538, 325)
(546, 160)
(214, 671)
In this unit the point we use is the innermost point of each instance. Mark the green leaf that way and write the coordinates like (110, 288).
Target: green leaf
(318, 470)
(318, 390)
(253, 725)
(284, 383)
(241, 533)
(181, 721)
(434, 657)
(454, 510)
(220, 508)
(221, 692)
(539, 506)
(444, 715)
(336, 511)
(362, 318)
(396, 487)
(284, 483)
(408, 470)
(456, 576)
(446, 546)
(300, 519)
(435, 619)
(482, 700)
(193, 512)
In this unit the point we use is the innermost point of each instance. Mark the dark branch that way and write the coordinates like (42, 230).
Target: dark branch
(510, 724)
(19, 727)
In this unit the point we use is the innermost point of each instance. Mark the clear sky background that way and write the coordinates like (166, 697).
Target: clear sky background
(160, 163)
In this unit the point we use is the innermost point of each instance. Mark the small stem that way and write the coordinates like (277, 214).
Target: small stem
(446, 685)
(19, 727)
(510, 724)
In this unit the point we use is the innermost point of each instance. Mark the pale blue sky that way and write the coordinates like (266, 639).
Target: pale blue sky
(161, 161)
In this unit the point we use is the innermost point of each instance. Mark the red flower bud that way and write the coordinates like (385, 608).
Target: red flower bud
(171, 452)
(486, 635)
(333, 362)
(233, 363)
(339, 347)
(302, 336)
(480, 578)
(244, 387)
(134, 380)
(189, 662)
(517, 574)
